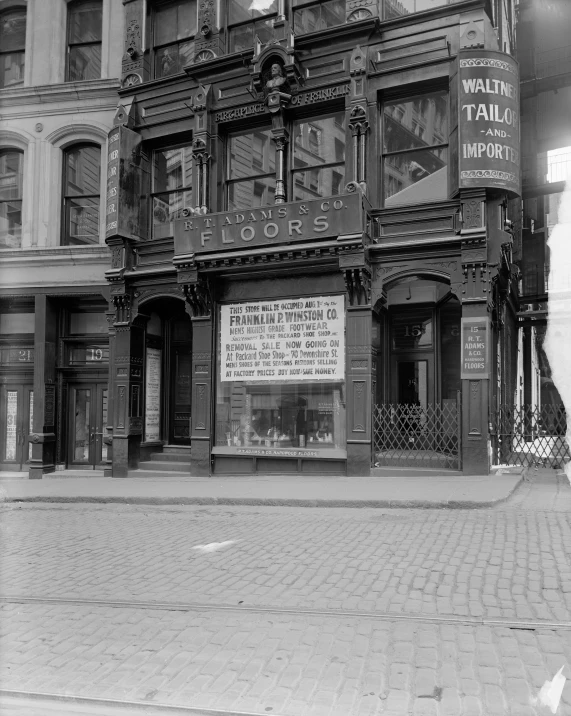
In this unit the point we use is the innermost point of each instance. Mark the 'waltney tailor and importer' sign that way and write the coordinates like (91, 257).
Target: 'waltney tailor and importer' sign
(488, 121)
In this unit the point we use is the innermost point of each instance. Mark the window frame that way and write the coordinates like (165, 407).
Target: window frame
(17, 9)
(91, 43)
(290, 171)
(156, 48)
(66, 197)
(411, 96)
(14, 150)
(182, 143)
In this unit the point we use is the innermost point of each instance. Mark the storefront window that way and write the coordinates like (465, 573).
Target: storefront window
(415, 149)
(281, 377)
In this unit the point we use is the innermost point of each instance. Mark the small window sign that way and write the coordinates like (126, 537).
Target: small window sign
(17, 355)
(475, 348)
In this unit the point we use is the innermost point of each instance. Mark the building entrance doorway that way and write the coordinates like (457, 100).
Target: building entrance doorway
(417, 421)
(17, 412)
(87, 418)
(168, 370)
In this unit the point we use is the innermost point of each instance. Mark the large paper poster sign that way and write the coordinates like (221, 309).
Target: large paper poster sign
(489, 120)
(475, 348)
(153, 395)
(286, 340)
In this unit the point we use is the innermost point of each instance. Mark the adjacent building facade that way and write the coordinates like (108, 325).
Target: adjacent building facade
(309, 210)
(59, 76)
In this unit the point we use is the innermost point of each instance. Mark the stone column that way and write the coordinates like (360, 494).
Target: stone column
(43, 435)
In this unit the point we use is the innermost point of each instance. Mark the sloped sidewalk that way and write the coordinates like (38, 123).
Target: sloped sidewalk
(392, 490)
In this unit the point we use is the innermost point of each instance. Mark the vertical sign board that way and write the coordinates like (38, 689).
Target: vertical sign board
(475, 348)
(488, 121)
(127, 172)
(153, 395)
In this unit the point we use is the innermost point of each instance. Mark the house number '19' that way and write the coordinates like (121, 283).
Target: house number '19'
(94, 354)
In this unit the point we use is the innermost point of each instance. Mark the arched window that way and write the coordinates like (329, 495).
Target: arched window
(11, 180)
(81, 183)
(174, 27)
(84, 19)
(12, 47)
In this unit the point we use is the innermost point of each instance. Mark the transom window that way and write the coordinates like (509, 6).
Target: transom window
(12, 47)
(84, 24)
(11, 181)
(415, 149)
(174, 28)
(316, 161)
(172, 188)
(81, 199)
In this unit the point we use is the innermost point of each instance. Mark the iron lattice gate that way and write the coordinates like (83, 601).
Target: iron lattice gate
(416, 436)
(530, 436)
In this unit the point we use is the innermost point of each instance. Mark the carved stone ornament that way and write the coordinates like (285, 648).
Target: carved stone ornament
(132, 79)
(198, 298)
(358, 285)
(275, 69)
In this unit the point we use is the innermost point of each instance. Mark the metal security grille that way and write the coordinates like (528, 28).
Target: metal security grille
(416, 436)
(530, 436)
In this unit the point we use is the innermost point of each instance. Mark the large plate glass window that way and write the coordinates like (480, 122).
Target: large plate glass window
(281, 377)
(313, 16)
(248, 19)
(318, 157)
(251, 169)
(82, 169)
(174, 28)
(11, 180)
(12, 47)
(84, 25)
(172, 187)
(415, 149)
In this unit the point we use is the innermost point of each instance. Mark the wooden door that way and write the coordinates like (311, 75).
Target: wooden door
(87, 418)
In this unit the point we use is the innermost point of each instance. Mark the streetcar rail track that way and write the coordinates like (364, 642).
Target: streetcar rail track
(50, 703)
(504, 622)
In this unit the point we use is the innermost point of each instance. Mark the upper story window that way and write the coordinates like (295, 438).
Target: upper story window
(172, 188)
(312, 16)
(251, 179)
(81, 200)
(415, 149)
(248, 19)
(12, 47)
(174, 27)
(11, 181)
(318, 157)
(84, 20)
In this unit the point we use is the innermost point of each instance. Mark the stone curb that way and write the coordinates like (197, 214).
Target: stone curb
(266, 501)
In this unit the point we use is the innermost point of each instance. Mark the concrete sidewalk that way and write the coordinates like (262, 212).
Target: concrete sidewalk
(392, 490)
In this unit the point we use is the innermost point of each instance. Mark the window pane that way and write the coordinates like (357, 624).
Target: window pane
(415, 177)
(167, 208)
(172, 59)
(82, 217)
(396, 8)
(307, 20)
(11, 69)
(416, 123)
(10, 224)
(244, 10)
(255, 192)
(83, 167)
(84, 22)
(84, 63)
(242, 38)
(173, 169)
(11, 175)
(319, 141)
(174, 22)
(314, 183)
(251, 154)
(13, 31)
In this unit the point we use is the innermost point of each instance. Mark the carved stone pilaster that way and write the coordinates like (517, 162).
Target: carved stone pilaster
(122, 304)
(208, 43)
(202, 159)
(134, 67)
(359, 129)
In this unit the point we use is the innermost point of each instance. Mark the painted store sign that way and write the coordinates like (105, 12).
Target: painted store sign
(489, 121)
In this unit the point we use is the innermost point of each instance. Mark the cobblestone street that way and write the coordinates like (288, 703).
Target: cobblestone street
(302, 611)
